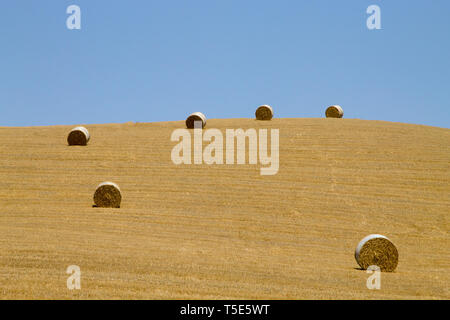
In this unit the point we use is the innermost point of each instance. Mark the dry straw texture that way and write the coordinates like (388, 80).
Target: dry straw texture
(107, 195)
(334, 112)
(264, 112)
(215, 231)
(78, 136)
(196, 116)
(377, 250)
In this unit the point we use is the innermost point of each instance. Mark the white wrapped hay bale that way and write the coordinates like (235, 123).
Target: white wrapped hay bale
(196, 116)
(78, 136)
(264, 112)
(334, 112)
(377, 250)
(107, 195)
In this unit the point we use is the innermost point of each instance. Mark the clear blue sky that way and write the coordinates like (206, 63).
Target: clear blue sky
(160, 60)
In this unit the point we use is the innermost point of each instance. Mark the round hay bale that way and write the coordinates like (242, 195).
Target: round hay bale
(334, 112)
(78, 136)
(196, 116)
(377, 250)
(107, 195)
(264, 112)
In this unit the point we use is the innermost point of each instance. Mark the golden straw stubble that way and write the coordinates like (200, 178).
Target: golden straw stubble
(107, 195)
(377, 250)
(334, 112)
(196, 116)
(78, 136)
(264, 112)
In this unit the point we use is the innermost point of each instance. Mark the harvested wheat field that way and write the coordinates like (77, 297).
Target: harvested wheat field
(225, 231)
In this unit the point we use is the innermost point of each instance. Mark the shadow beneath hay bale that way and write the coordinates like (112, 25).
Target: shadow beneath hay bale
(96, 206)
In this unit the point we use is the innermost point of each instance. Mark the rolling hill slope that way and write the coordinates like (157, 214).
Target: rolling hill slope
(225, 231)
